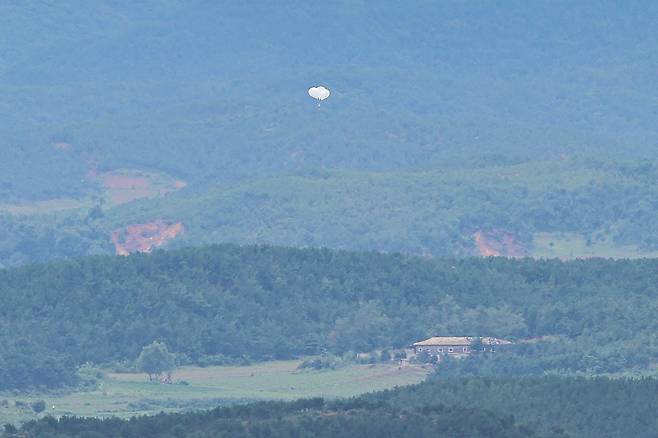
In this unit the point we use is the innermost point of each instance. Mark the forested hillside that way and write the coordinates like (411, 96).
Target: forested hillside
(426, 213)
(441, 115)
(335, 235)
(608, 206)
(217, 89)
(223, 304)
(543, 407)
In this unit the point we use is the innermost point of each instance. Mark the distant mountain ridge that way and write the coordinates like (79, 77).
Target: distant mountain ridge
(216, 91)
(435, 107)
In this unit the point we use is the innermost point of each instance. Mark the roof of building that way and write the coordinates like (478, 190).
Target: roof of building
(458, 340)
(445, 340)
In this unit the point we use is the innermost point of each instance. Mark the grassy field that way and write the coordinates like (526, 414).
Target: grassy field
(573, 245)
(44, 207)
(128, 394)
(119, 186)
(126, 185)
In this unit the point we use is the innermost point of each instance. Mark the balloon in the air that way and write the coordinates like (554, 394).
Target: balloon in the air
(319, 93)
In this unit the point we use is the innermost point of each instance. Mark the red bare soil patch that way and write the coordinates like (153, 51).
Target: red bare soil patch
(498, 243)
(144, 237)
(126, 185)
(122, 182)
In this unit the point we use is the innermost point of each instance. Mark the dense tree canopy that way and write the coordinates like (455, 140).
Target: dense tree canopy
(303, 418)
(555, 407)
(155, 359)
(225, 303)
(607, 205)
(445, 118)
(584, 408)
(218, 90)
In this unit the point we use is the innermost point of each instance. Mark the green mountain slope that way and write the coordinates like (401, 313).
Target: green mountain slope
(216, 91)
(446, 119)
(429, 213)
(565, 208)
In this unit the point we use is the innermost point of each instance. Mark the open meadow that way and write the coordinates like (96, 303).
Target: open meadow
(128, 394)
(568, 246)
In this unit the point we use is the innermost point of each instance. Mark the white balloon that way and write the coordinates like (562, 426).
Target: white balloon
(324, 93)
(319, 93)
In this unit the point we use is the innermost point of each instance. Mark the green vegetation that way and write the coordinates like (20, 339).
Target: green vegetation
(568, 208)
(228, 304)
(538, 407)
(583, 408)
(155, 360)
(105, 393)
(308, 418)
(453, 129)
(446, 118)
(428, 213)
(218, 91)
(573, 245)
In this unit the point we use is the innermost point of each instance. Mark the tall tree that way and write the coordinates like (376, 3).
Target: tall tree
(155, 359)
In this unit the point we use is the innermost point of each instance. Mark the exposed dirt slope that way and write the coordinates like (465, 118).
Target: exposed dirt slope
(498, 243)
(144, 237)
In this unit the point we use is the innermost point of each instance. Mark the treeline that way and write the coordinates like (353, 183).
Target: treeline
(582, 407)
(226, 303)
(303, 418)
(553, 407)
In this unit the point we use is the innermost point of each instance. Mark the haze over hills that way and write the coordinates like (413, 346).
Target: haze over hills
(216, 90)
(213, 95)
(276, 249)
